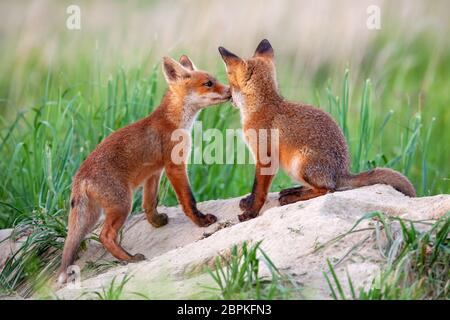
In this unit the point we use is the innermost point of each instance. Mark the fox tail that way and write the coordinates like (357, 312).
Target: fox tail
(375, 176)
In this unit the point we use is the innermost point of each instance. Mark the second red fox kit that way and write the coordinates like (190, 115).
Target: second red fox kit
(312, 148)
(136, 155)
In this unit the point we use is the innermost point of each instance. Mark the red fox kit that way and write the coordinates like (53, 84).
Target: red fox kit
(136, 155)
(312, 148)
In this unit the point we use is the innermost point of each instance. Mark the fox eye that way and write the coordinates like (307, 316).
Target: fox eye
(208, 84)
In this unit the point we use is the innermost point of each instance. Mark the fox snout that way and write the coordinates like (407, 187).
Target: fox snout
(226, 93)
(222, 93)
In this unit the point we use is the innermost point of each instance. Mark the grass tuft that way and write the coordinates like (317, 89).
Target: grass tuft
(417, 264)
(238, 276)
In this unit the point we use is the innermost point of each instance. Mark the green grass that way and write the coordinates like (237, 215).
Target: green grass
(417, 263)
(55, 108)
(238, 276)
(114, 290)
(28, 269)
(43, 143)
(44, 147)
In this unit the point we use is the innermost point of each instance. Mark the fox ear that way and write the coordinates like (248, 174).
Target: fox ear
(173, 71)
(229, 57)
(264, 49)
(187, 63)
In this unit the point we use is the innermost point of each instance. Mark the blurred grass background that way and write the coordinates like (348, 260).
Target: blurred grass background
(62, 91)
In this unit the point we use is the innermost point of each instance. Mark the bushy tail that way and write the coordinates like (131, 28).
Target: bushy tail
(82, 218)
(378, 175)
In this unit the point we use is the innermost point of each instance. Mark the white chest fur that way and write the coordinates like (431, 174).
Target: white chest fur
(239, 102)
(238, 99)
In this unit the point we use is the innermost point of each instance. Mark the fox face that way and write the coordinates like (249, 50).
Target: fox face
(253, 76)
(193, 87)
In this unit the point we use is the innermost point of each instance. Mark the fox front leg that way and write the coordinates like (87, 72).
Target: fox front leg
(176, 173)
(252, 204)
(150, 201)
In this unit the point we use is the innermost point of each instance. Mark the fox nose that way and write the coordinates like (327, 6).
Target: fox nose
(228, 92)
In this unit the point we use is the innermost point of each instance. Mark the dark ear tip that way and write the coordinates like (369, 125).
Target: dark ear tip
(227, 54)
(224, 52)
(264, 48)
(264, 44)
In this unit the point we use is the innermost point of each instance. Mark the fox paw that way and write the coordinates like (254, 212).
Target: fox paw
(288, 199)
(159, 220)
(206, 220)
(247, 215)
(137, 257)
(246, 203)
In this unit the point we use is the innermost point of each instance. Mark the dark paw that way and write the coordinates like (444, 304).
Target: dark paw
(206, 220)
(247, 216)
(246, 203)
(290, 191)
(159, 220)
(137, 257)
(287, 199)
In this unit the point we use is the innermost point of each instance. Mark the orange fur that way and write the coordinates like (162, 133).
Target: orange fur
(312, 148)
(136, 155)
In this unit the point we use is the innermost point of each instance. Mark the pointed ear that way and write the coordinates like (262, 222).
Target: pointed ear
(229, 57)
(187, 63)
(264, 50)
(173, 71)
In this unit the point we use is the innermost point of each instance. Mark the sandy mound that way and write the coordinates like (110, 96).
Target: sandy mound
(291, 235)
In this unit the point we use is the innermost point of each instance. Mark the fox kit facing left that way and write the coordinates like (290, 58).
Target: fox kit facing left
(311, 147)
(136, 155)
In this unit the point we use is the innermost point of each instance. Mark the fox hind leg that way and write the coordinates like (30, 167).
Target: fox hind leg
(114, 221)
(293, 190)
(301, 194)
(319, 178)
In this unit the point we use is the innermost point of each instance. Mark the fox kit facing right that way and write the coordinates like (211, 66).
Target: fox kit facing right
(312, 148)
(136, 155)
